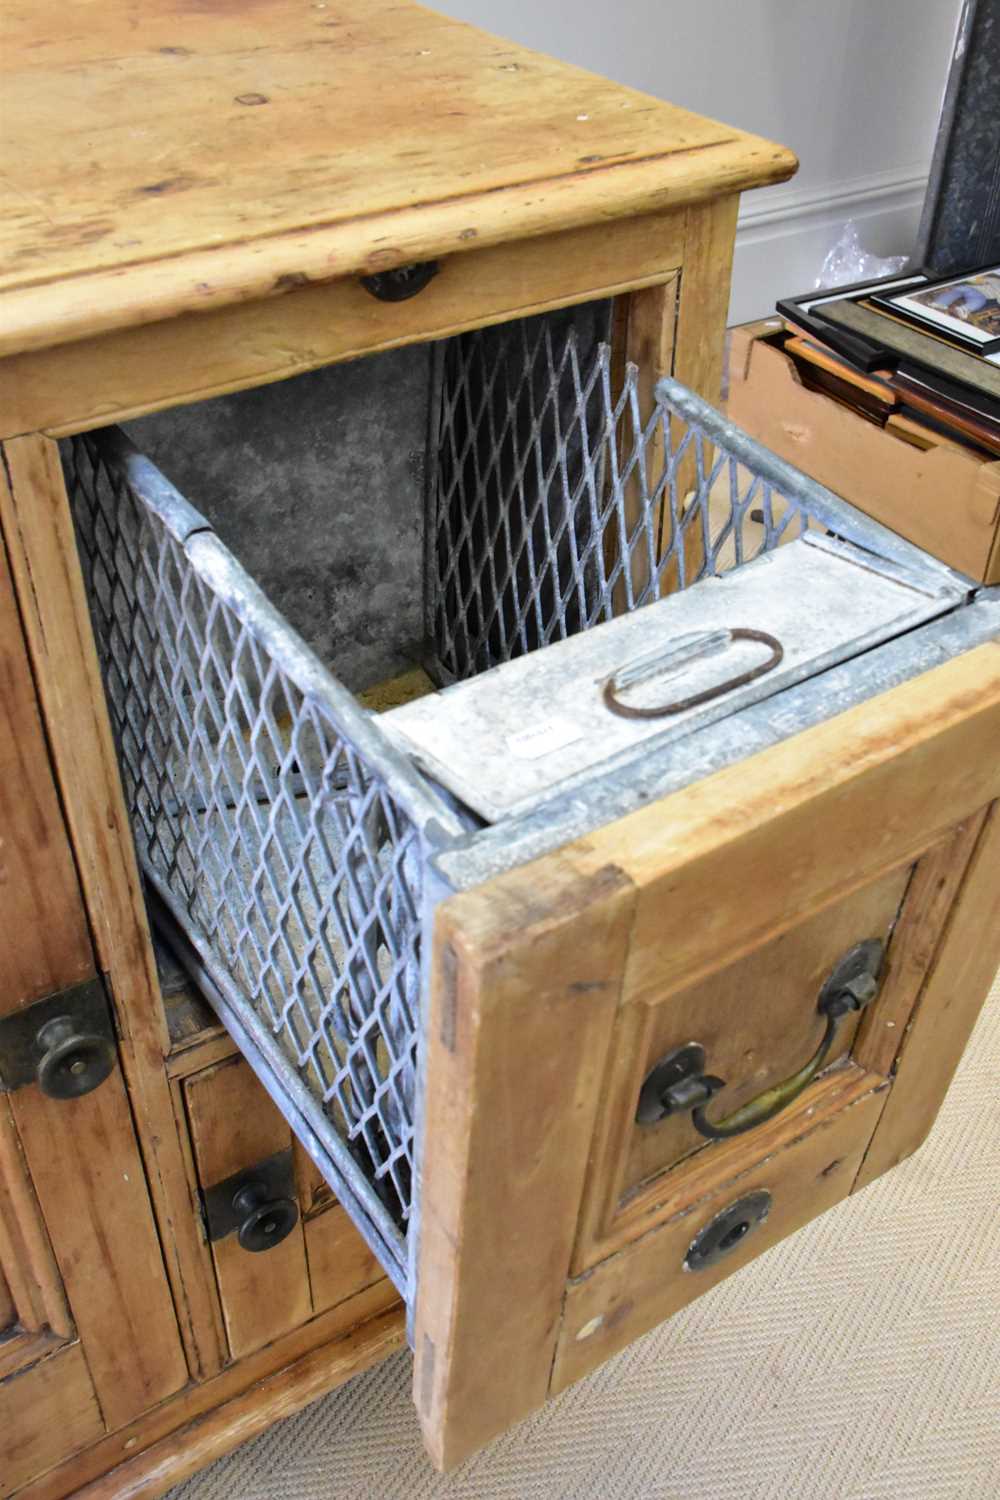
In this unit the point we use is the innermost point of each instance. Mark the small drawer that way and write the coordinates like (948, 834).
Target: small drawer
(802, 1168)
(283, 1249)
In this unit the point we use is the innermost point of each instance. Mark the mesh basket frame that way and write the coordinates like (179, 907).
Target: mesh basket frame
(313, 946)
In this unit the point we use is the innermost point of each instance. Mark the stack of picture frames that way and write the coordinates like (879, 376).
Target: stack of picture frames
(917, 354)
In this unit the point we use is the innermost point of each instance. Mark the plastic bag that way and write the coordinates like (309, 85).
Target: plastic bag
(846, 262)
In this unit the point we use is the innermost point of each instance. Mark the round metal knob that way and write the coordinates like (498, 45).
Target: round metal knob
(72, 1062)
(265, 1221)
(727, 1231)
(402, 282)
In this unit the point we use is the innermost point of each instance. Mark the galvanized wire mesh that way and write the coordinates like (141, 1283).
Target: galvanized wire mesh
(282, 847)
(558, 502)
(278, 822)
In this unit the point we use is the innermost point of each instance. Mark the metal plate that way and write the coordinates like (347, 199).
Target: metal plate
(511, 737)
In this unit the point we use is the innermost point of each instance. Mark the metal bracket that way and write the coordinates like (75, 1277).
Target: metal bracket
(65, 1043)
(258, 1204)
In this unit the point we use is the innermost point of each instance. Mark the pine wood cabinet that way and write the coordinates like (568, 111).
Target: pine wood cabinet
(176, 1270)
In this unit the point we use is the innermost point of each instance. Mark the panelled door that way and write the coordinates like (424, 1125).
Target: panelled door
(88, 1334)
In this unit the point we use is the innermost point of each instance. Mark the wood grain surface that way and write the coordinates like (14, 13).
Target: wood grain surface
(216, 153)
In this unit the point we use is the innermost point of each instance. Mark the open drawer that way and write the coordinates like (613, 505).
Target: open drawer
(574, 953)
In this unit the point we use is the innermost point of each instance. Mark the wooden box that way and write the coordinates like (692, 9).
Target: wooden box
(943, 498)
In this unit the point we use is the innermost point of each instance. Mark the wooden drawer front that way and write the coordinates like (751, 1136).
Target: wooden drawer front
(805, 1168)
(873, 824)
(757, 1020)
(121, 375)
(320, 1262)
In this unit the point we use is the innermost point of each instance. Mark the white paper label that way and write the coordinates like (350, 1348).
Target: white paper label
(542, 739)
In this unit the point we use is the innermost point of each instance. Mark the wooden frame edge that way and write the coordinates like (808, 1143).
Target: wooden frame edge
(217, 1430)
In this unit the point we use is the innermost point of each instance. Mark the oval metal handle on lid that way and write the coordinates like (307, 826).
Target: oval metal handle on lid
(676, 658)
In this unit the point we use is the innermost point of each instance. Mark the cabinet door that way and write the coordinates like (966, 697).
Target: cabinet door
(88, 1336)
(556, 1225)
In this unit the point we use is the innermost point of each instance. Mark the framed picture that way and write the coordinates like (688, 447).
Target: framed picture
(805, 313)
(963, 309)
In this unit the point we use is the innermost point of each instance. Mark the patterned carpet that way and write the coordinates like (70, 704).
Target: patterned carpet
(858, 1360)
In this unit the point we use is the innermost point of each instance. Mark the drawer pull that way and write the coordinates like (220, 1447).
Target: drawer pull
(266, 1221)
(257, 1204)
(727, 1231)
(64, 1043)
(679, 1082)
(689, 649)
(401, 283)
(73, 1062)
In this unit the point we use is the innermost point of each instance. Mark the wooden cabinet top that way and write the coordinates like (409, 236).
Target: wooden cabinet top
(161, 156)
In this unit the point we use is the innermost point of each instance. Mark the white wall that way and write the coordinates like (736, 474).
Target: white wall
(853, 86)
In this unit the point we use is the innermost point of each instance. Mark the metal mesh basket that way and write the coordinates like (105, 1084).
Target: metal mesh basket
(283, 829)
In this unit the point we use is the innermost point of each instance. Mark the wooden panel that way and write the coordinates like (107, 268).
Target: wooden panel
(699, 352)
(28, 1265)
(224, 1427)
(612, 1214)
(704, 302)
(511, 144)
(18, 1349)
(340, 1263)
(932, 891)
(525, 984)
(208, 1418)
(756, 1019)
(39, 536)
(82, 1154)
(191, 358)
(88, 1174)
(8, 1311)
(44, 942)
(957, 983)
(233, 1126)
(634, 1290)
(46, 1412)
(647, 341)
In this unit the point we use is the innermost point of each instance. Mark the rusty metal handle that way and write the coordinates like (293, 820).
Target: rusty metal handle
(679, 655)
(679, 1082)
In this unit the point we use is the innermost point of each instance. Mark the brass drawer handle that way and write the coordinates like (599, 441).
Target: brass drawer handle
(401, 283)
(679, 1082)
(688, 649)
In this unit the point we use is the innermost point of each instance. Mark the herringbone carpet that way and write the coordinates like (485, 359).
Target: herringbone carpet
(859, 1360)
